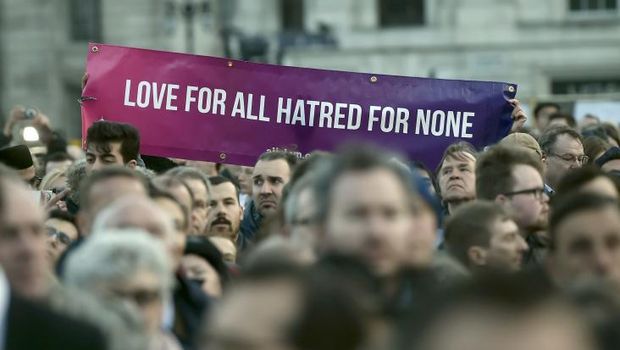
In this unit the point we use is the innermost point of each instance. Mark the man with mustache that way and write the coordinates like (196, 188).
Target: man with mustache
(271, 173)
(225, 213)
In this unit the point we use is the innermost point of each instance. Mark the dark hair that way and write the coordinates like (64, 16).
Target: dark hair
(358, 158)
(570, 120)
(469, 226)
(205, 249)
(290, 158)
(576, 178)
(542, 105)
(611, 131)
(57, 157)
(494, 170)
(104, 174)
(455, 150)
(218, 180)
(550, 136)
(594, 146)
(155, 193)
(573, 203)
(102, 133)
(227, 174)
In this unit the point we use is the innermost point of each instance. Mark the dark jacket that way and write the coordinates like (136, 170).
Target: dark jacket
(190, 306)
(34, 326)
(249, 226)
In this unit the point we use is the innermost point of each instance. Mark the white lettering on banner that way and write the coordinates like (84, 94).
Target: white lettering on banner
(148, 92)
(444, 123)
(341, 116)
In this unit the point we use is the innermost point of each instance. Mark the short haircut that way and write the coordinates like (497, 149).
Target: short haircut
(594, 146)
(62, 215)
(104, 174)
(360, 158)
(76, 173)
(218, 180)
(540, 106)
(190, 173)
(570, 120)
(290, 158)
(308, 164)
(291, 200)
(550, 136)
(101, 133)
(611, 131)
(155, 193)
(456, 150)
(494, 170)
(576, 178)
(574, 203)
(167, 181)
(469, 226)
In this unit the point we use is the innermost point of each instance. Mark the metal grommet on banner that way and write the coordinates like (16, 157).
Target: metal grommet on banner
(222, 156)
(511, 88)
(373, 79)
(94, 49)
(230, 64)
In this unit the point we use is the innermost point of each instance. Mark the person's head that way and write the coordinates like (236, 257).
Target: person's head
(456, 173)
(22, 237)
(179, 190)
(61, 231)
(588, 179)
(526, 141)
(613, 136)
(585, 240)
(173, 208)
(610, 160)
(225, 212)
(227, 247)
(594, 147)
(245, 180)
(203, 263)
(76, 173)
(111, 143)
(103, 187)
(425, 174)
(562, 119)
(126, 265)
(58, 160)
(19, 159)
(562, 151)
(271, 173)
(199, 186)
(55, 180)
(542, 112)
(300, 207)
(364, 207)
(482, 235)
(512, 178)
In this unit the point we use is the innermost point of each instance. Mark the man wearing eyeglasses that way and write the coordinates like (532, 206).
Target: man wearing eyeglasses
(512, 178)
(562, 151)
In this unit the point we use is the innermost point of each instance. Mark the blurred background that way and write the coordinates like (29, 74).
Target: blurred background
(565, 51)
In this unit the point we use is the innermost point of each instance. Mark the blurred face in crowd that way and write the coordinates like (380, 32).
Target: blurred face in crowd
(542, 118)
(370, 215)
(269, 178)
(52, 165)
(457, 178)
(23, 241)
(199, 206)
(505, 249)
(245, 180)
(144, 290)
(427, 179)
(175, 211)
(29, 177)
(102, 155)
(602, 186)
(225, 213)
(304, 226)
(60, 234)
(421, 239)
(255, 315)
(226, 247)
(566, 153)
(527, 203)
(587, 246)
(199, 270)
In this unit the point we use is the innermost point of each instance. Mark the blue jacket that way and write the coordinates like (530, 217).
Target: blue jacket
(249, 226)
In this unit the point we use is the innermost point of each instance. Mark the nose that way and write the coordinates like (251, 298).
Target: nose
(97, 165)
(523, 246)
(265, 188)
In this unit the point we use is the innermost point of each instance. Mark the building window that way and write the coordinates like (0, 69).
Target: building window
(587, 87)
(592, 5)
(399, 13)
(292, 15)
(85, 20)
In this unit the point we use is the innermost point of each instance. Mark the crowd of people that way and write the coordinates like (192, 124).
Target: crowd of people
(513, 247)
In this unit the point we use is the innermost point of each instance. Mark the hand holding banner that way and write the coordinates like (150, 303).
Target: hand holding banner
(207, 108)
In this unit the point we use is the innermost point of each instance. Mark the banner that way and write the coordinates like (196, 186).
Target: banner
(221, 110)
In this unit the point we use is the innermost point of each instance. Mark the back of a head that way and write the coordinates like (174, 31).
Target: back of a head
(574, 180)
(594, 147)
(104, 132)
(494, 170)
(189, 173)
(567, 118)
(105, 174)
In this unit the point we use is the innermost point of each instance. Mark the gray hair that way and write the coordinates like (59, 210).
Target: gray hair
(116, 256)
(75, 174)
(190, 173)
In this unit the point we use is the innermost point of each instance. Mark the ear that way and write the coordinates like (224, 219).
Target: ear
(544, 159)
(477, 255)
(132, 164)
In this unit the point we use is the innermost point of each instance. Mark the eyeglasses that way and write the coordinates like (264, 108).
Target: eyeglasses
(583, 159)
(537, 192)
(59, 235)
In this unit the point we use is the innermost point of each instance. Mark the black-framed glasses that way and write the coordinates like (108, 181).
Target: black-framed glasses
(538, 192)
(570, 158)
(59, 235)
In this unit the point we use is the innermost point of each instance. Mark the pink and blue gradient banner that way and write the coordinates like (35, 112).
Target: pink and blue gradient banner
(221, 110)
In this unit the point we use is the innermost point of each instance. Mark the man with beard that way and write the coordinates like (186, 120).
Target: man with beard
(225, 213)
(456, 175)
(271, 173)
(512, 178)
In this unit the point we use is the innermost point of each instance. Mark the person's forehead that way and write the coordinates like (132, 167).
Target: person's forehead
(197, 186)
(20, 204)
(223, 190)
(377, 185)
(502, 226)
(272, 168)
(589, 224)
(109, 147)
(526, 175)
(565, 143)
(459, 158)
